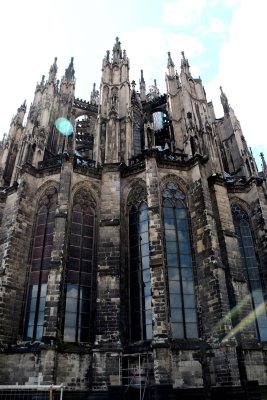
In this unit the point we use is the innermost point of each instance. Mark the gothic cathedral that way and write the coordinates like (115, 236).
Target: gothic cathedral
(133, 242)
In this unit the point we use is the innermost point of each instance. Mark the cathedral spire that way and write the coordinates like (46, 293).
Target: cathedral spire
(185, 65)
(142, 86)
(94, 95)
(53, 71)
(117, 53)
(23, 107)
(153, 91)
(224, 102)
(40, 84)
(170, 65)
(18, 119)
(69, 72)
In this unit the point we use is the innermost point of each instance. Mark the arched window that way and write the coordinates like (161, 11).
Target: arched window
(139, 275)
(41, 256)
(250, 268)
(179, 264)
(80, 269)
(138, 134)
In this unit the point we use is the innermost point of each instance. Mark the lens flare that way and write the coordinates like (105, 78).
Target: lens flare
(245, 322)
(248, 320)
(232, 313)
(64, 126)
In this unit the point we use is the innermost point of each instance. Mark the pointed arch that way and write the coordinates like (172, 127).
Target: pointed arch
(40, 262)
(80, 265)
(175, 179)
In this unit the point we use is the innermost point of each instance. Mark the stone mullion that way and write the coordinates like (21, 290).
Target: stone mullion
(158, 278)
(212, 288)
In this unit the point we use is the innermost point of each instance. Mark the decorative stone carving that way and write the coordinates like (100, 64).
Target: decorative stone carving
(84, 198)
(49, 197)
(137, 194)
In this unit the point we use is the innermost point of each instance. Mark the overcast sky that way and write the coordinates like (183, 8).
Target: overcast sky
(224, 41)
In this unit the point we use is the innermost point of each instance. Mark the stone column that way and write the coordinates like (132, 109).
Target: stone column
(14, 249)
(158, 283)
(108, 281)
(236, 283)
(212, 288)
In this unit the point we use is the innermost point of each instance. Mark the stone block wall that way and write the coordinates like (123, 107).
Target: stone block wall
(74, 371)
(14, 252)
(186, 369)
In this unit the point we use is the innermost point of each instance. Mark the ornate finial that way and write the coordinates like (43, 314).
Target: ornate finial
(94, 95)
(107, 56)
(170, 62)
(153, 91)
(142, 77)
(133, 85)
(53, 71)
(224, 102)
(170, 65)
(69, 72)
(117, 54)
(264, 165)
(185, 64)
(142, 86)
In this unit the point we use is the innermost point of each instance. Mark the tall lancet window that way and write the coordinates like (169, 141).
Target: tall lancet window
(250, 268)
(137, 135)
(179, 264)
(139, 275)
(80, 269)
(41, 256)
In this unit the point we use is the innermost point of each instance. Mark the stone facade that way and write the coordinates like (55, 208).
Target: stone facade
(134, 247)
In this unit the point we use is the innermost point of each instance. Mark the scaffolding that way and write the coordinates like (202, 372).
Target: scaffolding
(31, 392)
(136, 373)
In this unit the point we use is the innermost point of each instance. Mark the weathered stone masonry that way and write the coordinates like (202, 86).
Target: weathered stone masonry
(143, 243)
